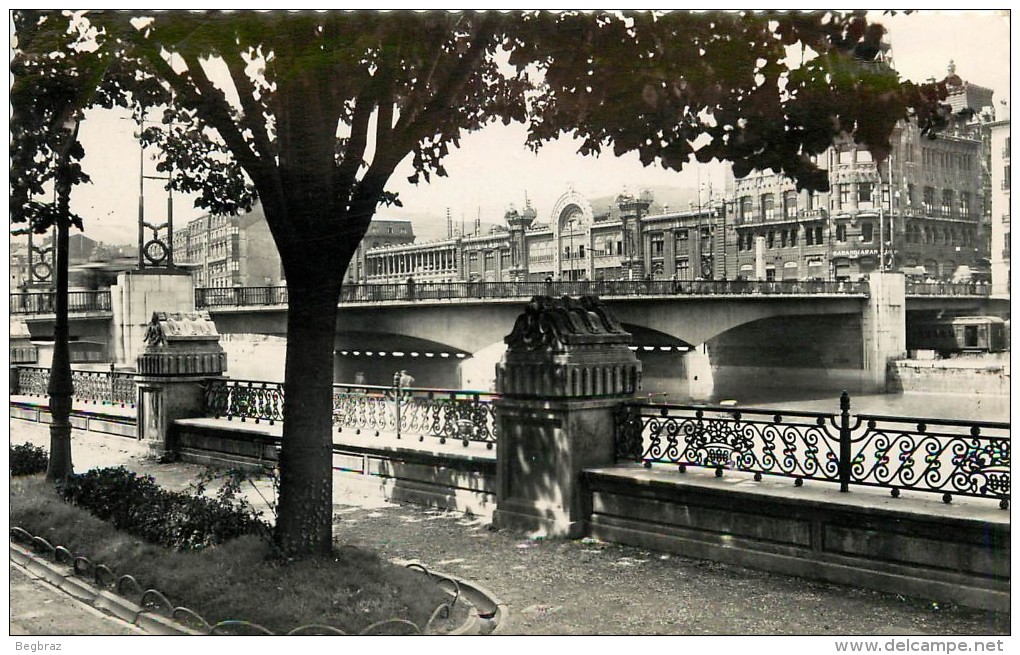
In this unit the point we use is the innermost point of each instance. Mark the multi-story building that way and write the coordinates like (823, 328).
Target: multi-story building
(626, 237)
(920, 208)
(1000, 232)
(381, 232)
(226, 251)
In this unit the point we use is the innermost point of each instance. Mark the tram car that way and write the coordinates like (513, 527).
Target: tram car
(959, 334)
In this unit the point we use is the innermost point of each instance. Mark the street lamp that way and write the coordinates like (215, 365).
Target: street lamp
(60, 387)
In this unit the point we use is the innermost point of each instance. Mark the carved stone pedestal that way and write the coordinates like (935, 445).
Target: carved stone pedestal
(181, 354)
(566, 370)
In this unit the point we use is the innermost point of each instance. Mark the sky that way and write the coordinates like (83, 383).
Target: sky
(492, 169)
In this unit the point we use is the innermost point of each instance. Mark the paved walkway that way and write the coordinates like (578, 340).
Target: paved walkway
(554, 587)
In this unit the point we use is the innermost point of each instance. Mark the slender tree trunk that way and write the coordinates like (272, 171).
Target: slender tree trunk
(305, 511)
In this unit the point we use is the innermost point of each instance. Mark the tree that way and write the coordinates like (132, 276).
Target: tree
(48, 92)
(312, 112)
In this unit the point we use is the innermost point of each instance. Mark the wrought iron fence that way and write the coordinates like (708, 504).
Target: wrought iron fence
(96, 387)
(965, 458)
(244, 399)
(948, 289)
(46, 302)
(425, 290)
(467, 416)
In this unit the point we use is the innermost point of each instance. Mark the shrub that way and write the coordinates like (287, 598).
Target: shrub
(137, 505)
(27, 459)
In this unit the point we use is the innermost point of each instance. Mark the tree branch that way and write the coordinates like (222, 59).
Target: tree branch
(253, 114)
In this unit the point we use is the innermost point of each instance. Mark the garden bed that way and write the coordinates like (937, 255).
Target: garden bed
(241, 579)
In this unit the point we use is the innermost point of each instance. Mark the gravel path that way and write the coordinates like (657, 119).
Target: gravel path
(555, 587)
(585, 587)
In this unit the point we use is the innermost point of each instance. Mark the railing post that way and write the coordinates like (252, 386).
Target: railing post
(844, 442)
(397, 392)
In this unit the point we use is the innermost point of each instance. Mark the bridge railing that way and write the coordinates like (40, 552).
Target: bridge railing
(467, 416)
(965, 458)
(92, 387)
(948, 289)
(426, 290)
(45, 302)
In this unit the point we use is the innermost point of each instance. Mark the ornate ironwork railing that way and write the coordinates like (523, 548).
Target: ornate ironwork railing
(97, 387)
(245, 399)
(45, 302)
(964, 458)
(468, 416)
(440, 413)
(948, 289)
(414, 291)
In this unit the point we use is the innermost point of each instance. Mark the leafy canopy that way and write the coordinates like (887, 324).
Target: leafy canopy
(322, 106)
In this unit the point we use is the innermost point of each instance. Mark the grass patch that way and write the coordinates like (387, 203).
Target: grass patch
(238, 579)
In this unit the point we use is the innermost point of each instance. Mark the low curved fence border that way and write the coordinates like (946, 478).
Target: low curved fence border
(963, 458)
(138, 599)
(445, 414)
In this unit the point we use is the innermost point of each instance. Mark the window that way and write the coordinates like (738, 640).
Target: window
(867, 231)
(864, 191)
(580, 252)
(683, 269)
(809, 235)
(793, 236)
(782, 238)
(965, 204)
(910, 195)
(844, 195)
(746, 208)
(770, 239)
(658, 244)
(682, 242)
(841, 232)
(947, 202)
(790, 204)
(767, 206)
(929, 199)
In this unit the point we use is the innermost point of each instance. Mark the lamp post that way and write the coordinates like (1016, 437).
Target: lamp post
(60, 387)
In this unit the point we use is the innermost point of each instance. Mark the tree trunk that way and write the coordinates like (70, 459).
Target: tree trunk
(305, 510)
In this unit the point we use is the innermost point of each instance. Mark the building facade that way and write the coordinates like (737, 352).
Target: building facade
(227, 251)
(1000, 232)
(918, 209)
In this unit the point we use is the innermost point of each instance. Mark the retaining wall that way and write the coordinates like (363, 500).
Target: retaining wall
(916, 546)
(978, 376)
(446, 476)
(98, 418)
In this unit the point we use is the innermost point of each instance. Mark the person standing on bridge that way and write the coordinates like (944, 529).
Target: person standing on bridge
(410, 287)
(404, 379)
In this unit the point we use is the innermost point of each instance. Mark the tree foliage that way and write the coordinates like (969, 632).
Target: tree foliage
(312, 113)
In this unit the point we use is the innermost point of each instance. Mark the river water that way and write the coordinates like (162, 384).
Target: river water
(970, 407)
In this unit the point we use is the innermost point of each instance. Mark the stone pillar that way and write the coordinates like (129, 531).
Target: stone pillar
(135, 297)
(566, 370)
(182, 352)
(883, 327)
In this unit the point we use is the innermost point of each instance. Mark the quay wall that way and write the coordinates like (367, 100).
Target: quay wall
(986, 375)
